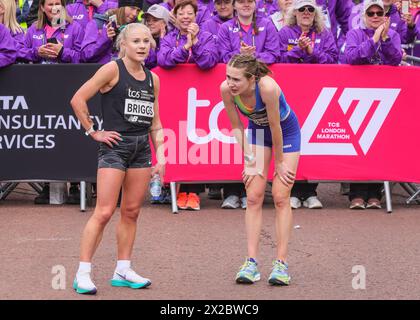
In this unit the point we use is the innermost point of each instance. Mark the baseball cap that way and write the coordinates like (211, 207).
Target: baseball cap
(159, 12)
(369, 3)
(297, 4)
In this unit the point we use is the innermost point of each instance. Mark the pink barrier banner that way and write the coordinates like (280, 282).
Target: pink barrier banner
(358, 123)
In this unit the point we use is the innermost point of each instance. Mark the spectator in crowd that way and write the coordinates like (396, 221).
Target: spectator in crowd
(202, 14)
(265, 8)
(336, 15)
(83, 11)
(22, 15)
(278, 17)
(404, 25)
(304, 39)
(7, 46)
(248, 34)
(8, 19)
(99, 43)
(209, 4)
(55, 38)
(375, 44)
(156, 19)
(224, 12)
(189, 44)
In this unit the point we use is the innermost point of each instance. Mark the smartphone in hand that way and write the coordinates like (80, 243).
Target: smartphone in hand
(405, 6)
(52, 40)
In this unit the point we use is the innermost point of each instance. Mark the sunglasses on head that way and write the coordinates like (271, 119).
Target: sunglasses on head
(309, 8)
(370, 14)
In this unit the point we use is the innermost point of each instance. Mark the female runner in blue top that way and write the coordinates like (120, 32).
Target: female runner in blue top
(272, 125)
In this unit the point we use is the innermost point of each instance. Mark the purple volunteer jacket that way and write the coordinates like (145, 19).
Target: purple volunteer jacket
(21, 50)
(360, 48)
(79, 12)
(417, 20)
(266, 41)
(399, 25)
(266, 8)
(96, 46)
(339, 13)
(7, 47)
(325, 48)
(209, 5)
(213, 25)
(172, 51)
(355, 19)
(71, 38)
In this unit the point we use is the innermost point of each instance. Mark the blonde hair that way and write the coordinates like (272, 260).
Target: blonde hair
(126, 31)
(10, 21)
(319, 24)
(42, 18)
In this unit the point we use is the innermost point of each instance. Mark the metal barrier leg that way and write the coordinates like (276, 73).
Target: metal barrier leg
(388, 196)
(83, 196)
(7, 189)
(173, 197)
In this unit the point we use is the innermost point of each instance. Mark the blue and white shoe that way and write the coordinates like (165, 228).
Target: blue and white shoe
(280, 274)
(83, 284)
(248, 273)
(130, 279)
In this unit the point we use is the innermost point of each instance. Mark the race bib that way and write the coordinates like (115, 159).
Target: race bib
(138, 111)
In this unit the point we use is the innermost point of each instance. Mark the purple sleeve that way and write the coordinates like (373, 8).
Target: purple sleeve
(151, 2)
(7, 47)
(342, 13)
(169, 55)
(296, 55)
(205, 52)
(106, 5)
(71, 53)
(95, 43)
(359, 50)
(31, 53)
(151, 60)
(224, 44)
(271, 48)
(326, 53)
(21, 50)
(391, 49)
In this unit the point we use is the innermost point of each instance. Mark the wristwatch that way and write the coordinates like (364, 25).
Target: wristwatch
(249, 157)
(92, 129)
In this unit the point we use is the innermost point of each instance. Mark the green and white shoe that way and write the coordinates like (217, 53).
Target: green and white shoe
(280, 274)
(130, 279)
(83, 284)
(248, 273)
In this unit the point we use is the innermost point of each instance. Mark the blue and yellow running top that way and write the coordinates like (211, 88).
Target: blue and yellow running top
(258, 115)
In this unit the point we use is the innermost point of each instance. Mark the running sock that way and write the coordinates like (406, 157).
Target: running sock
(84, 267)
(122, 267)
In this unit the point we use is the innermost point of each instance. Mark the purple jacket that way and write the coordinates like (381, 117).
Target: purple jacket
(209, 5)
(21, 50)
(172, 52)
(266, 8)
(96, 46)
(71, 38)
(79, 12)
(266, 41)
(7, 47)
(339, 13)
(355, 20)
(407, 34)
(213, 25)
(325, 49)
(360, 48)
(417, 20)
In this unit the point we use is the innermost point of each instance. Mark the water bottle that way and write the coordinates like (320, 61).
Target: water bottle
(155, 186)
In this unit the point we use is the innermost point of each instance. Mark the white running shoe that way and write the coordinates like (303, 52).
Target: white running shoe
(231, 202)
(243, 203)
(83, 283)
(295, 202)
(129, 278)
(312, 203)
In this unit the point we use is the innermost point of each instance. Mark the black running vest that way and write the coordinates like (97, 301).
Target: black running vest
(128, 107)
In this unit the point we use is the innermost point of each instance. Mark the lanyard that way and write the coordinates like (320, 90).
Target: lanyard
(241, 35)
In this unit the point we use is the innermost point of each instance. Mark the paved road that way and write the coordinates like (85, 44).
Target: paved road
(195, 255)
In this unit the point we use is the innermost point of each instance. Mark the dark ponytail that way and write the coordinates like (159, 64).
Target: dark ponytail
(252, 66)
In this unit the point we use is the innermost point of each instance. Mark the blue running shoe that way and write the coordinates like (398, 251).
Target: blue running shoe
(129, 279)
(248, 272)
(279, 275)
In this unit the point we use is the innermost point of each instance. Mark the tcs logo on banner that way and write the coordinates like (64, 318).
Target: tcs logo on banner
(357, 104)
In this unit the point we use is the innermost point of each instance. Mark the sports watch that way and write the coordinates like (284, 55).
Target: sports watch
(92, 129)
